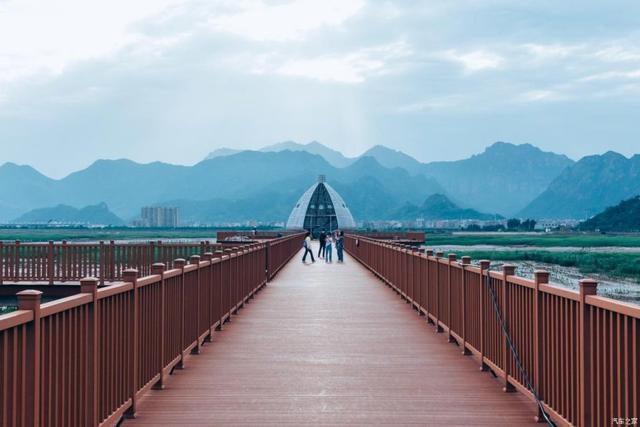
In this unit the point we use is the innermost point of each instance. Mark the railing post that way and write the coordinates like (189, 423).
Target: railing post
(1, 262)
(89, 285)
(429, 284)
(102, 255)
(229, 285)
(16, 261)
(30, 300)
(466, 260)
(267, 258)
(208, 256)
(439, 329)
(507, 270)
(131, 276)
(587, 287)
(235, 257)
(451, 259)
(50, 267)
(484, 270)
(540, 277)
(220, 290)
(158, 269)
(195, 260)
(151, 253)
(179, 264)
(112, 261)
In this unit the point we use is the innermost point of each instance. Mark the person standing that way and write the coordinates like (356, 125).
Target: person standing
(323, 242)
(340, 246)
(328, 249)
(307, 249)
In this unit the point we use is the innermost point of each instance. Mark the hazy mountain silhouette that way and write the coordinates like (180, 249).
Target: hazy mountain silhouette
(391, 158)
(221, 152)
(504, 178)
(332, 156)
(22, 188)
(587, 187)
(94, 215)
(247, 176)
(438, 206)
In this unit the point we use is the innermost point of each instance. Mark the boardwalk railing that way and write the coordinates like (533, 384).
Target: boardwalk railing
(85, 360)
(63, 262)
(579, 352)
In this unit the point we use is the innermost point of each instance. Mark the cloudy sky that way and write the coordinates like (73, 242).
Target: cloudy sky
(172, 80)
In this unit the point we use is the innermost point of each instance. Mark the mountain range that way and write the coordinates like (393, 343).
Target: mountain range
(231, 185)
(587, 187)
(504, 178)
(97, 214)
(438, 206)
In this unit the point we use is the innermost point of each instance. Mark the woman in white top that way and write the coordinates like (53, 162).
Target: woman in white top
(328, 248)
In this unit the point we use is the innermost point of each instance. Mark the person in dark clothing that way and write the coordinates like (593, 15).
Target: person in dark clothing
(323, 244)
(340, 246)
(307, 249)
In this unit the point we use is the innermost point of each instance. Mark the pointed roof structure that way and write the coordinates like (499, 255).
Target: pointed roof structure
(320, 208)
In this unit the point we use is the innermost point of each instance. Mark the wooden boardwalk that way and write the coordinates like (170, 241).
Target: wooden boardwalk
(330, 345)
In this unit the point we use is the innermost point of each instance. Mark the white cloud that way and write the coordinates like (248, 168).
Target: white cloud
(291, 20)
(550, 51)
(541, 95)
(473, 61)
(612, 75)
(39, 37)
(432, 104)
(353, 67)
(619, 52)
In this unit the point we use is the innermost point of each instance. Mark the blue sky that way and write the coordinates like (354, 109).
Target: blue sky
(172, 80)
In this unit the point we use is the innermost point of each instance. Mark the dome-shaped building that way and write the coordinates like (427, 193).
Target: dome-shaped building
(320, 208)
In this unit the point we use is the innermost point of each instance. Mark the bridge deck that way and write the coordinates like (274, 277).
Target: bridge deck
(329, 344)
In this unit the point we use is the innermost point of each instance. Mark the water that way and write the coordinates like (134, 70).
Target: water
(9, 304)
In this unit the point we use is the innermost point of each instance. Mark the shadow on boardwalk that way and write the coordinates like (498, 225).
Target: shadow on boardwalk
(329, 344)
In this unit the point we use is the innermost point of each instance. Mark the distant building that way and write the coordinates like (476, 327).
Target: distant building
(320, 208)
(160, 217)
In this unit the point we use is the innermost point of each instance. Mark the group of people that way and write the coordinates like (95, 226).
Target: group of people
(327, 242)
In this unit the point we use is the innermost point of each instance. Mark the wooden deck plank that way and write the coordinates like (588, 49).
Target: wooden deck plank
(330, 345)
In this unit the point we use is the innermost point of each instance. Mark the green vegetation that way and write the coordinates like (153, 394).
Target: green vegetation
(95, 234)
(622, 217)
(543, 240)
(611, 264)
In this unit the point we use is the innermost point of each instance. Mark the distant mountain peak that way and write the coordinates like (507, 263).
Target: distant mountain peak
(587, 187)
(439, 207)
(98, 214)
(392, 158)
(222, 152)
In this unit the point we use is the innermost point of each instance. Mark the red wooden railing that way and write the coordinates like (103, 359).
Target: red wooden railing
(579, 352)
(65, 262)
(85, 360)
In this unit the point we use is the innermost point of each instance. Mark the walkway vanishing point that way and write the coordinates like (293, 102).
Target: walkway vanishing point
(329, 344)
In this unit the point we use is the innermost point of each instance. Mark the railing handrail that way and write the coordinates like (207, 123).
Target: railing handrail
(617, 306)
(123, 339)
(580, 352)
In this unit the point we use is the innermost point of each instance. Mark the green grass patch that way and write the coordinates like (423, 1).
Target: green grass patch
(543, 240)
(615, 265)
(106, 234)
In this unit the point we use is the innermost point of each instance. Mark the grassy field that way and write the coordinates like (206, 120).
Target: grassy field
(542, 240)
(614, 265)
(95, 234)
